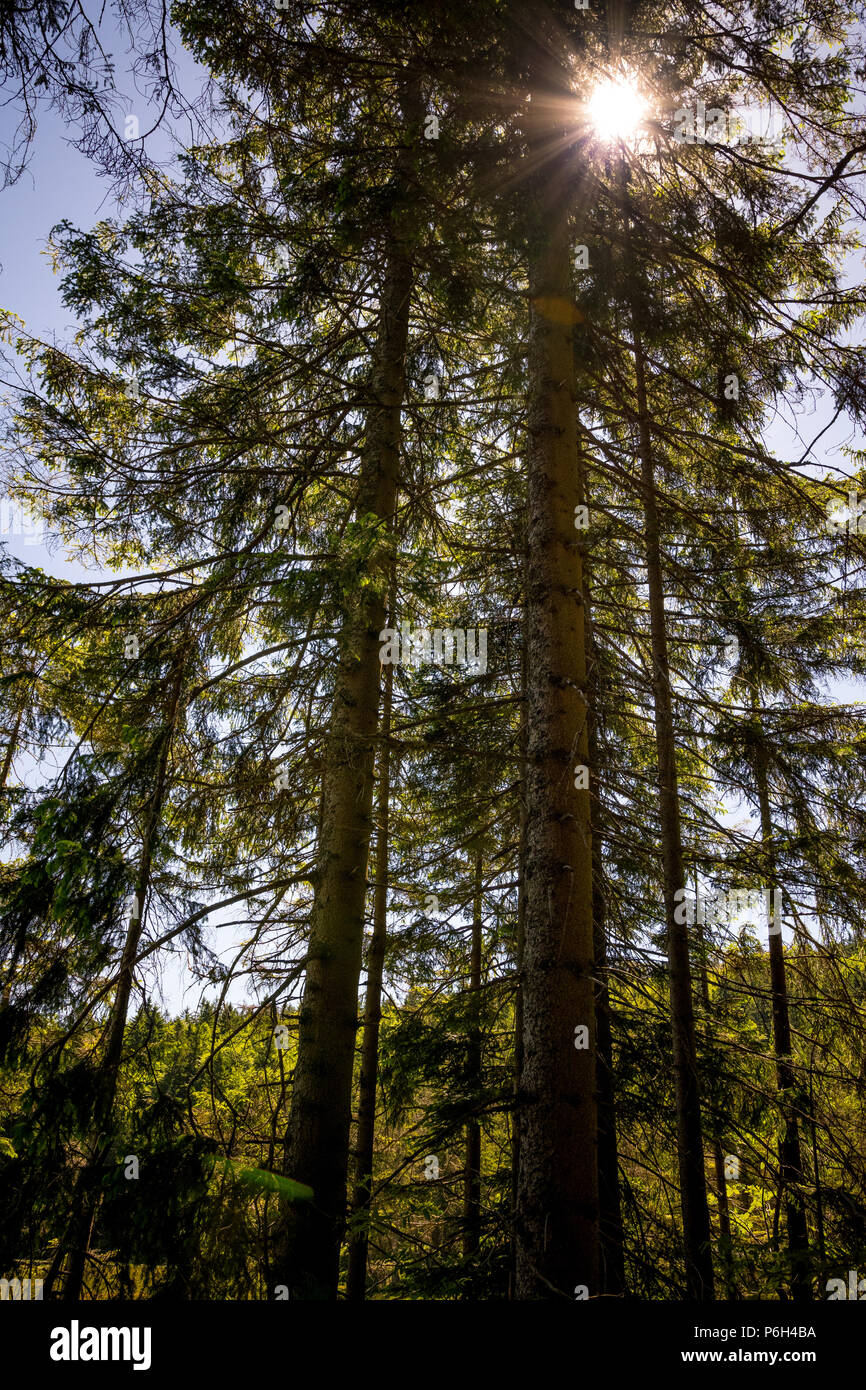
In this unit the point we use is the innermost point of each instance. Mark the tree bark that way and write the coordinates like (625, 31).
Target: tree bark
(610, 1209)
(690, 1147)
(472, 1173)
(725, 1246)
(356, 1280)
(517, 1064)
(557, 1228)
(791, 1177)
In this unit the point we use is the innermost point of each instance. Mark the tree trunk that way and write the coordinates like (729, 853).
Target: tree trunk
(791, 1176)
(317, 1139)
(690, 1147)
(725, 1246)
(356, 1281)
(819, 1200)
(557, 1228)
(610, 1211)
(472, 1174)
(517, 1065)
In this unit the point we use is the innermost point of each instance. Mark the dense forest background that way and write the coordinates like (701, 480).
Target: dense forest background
(463, 702)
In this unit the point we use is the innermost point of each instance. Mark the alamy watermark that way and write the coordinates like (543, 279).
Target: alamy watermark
(19, 521)
(706, 908)
(76, 1343)
(852, 520)
(855, 1288)
(742, 125)
(20, 1289)
(439, 646)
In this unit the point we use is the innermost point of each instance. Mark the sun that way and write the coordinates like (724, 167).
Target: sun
(616, 109)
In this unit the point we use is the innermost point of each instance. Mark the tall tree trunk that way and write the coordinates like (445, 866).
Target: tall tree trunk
(317, 1139)
(819, 1200)
(472, 1173)
(356, 1279)
(791, 1175)
(517, 1065)
(557, 1228)
(610, 1211)
(725, 1246)
(76, 1242)
(690, 1147)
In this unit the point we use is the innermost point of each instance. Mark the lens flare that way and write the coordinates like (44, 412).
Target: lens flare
(616, 109)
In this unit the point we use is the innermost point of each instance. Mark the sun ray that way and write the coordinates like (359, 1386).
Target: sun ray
(616, 109)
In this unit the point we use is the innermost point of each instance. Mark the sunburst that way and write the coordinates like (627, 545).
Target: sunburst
(616, 109)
